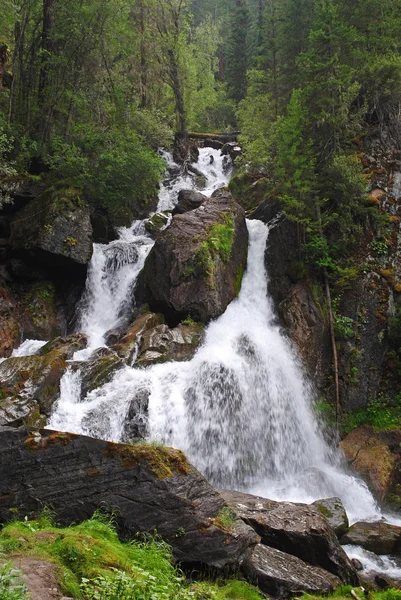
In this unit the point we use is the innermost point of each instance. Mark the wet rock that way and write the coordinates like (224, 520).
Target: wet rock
(196, 265)
(128, 346)
(333, 511)
(162, 344)
(358, 566)
(98, 370)
(296, 529)
(371, 457)
(136, 426)
(30, 385)
(149, 488)
(156, 223)
(188, 200)
(379, 537)
(284, 576)
(54, 230)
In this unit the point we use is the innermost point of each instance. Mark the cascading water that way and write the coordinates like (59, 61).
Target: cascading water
(240, 409)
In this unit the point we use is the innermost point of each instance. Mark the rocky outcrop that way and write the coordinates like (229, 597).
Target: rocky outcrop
(156, 223)
(30, 385)
(55, 231)
(333, 511)
(379, 537)
(98, 370)
(284, 576)
(188, 200)
(195, 267)
(149, 340)
(162, 344)
(150, 489)
(376, 457)
(296, 529)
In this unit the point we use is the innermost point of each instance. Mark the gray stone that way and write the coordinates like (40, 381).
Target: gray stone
(333, 511)
(284, 576)
(378, 537)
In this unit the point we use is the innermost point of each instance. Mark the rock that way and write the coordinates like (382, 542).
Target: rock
(162, 344)
(156, 223)
(379, 537)
(128, 346)
(149, 488)
(10, 334)
(231, 149)
(136, 426)
(195, 267)
(306, 326)
(55, 231)
(371, 457)
(23, 189)
(30, 385)
(98, 370)
(333, 511)
(188, 200)
(284, 576)
(296, 529)
(358, 566)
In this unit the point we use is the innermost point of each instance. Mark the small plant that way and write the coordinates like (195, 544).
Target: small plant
(189, 322)
(70, 241)
(11, 586)
(380, 247)
(343, 326)
(225, 519)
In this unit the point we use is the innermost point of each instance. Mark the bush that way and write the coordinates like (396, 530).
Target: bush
(11, 587)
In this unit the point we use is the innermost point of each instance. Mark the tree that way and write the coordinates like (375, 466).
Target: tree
(236, 53)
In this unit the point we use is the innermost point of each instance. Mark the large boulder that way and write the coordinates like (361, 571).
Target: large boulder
(195, 267)
(149, 340)
(150, 489)
(284, 576)
(162, 344)
(380, 538)
(372, 457)
(188, 200)
(54, 230)
(29, 385)
(333, 511)
(296, 529)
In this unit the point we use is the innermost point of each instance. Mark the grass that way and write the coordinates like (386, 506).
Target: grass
(92, 563)
(344, 593)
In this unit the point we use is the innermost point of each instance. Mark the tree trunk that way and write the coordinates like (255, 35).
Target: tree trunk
(48, 47)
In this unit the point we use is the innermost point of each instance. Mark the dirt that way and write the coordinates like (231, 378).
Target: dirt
(40, 578)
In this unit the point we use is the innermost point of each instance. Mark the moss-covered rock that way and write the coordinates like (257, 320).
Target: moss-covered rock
(29, 385)
(156, 223)
(54, 230)
(195, 265)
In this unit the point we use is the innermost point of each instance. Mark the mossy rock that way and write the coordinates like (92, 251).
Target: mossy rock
(54, 230)
(196, 265)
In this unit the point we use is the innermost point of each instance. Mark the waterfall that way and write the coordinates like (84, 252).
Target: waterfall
(241, 408)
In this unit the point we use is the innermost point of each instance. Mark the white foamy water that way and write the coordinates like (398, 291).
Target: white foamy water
(28, 348)
(372, 563)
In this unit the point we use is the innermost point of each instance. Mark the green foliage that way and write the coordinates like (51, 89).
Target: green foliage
(11, 586)
(343, 593)
(94, 564)
(380, 247)
(225, 519)
(219, 242)
(379, 413)
(343, 326)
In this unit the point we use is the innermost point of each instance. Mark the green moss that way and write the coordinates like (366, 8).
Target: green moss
(218, 244)
(380, 413)
(325, 511)
(162, 461)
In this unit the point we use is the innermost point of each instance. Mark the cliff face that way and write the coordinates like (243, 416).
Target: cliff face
(367, 306)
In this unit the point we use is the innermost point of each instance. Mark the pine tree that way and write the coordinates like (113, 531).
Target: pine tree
(236, 52)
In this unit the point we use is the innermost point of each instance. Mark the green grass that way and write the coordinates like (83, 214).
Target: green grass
(92, 563)
(344, 593)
